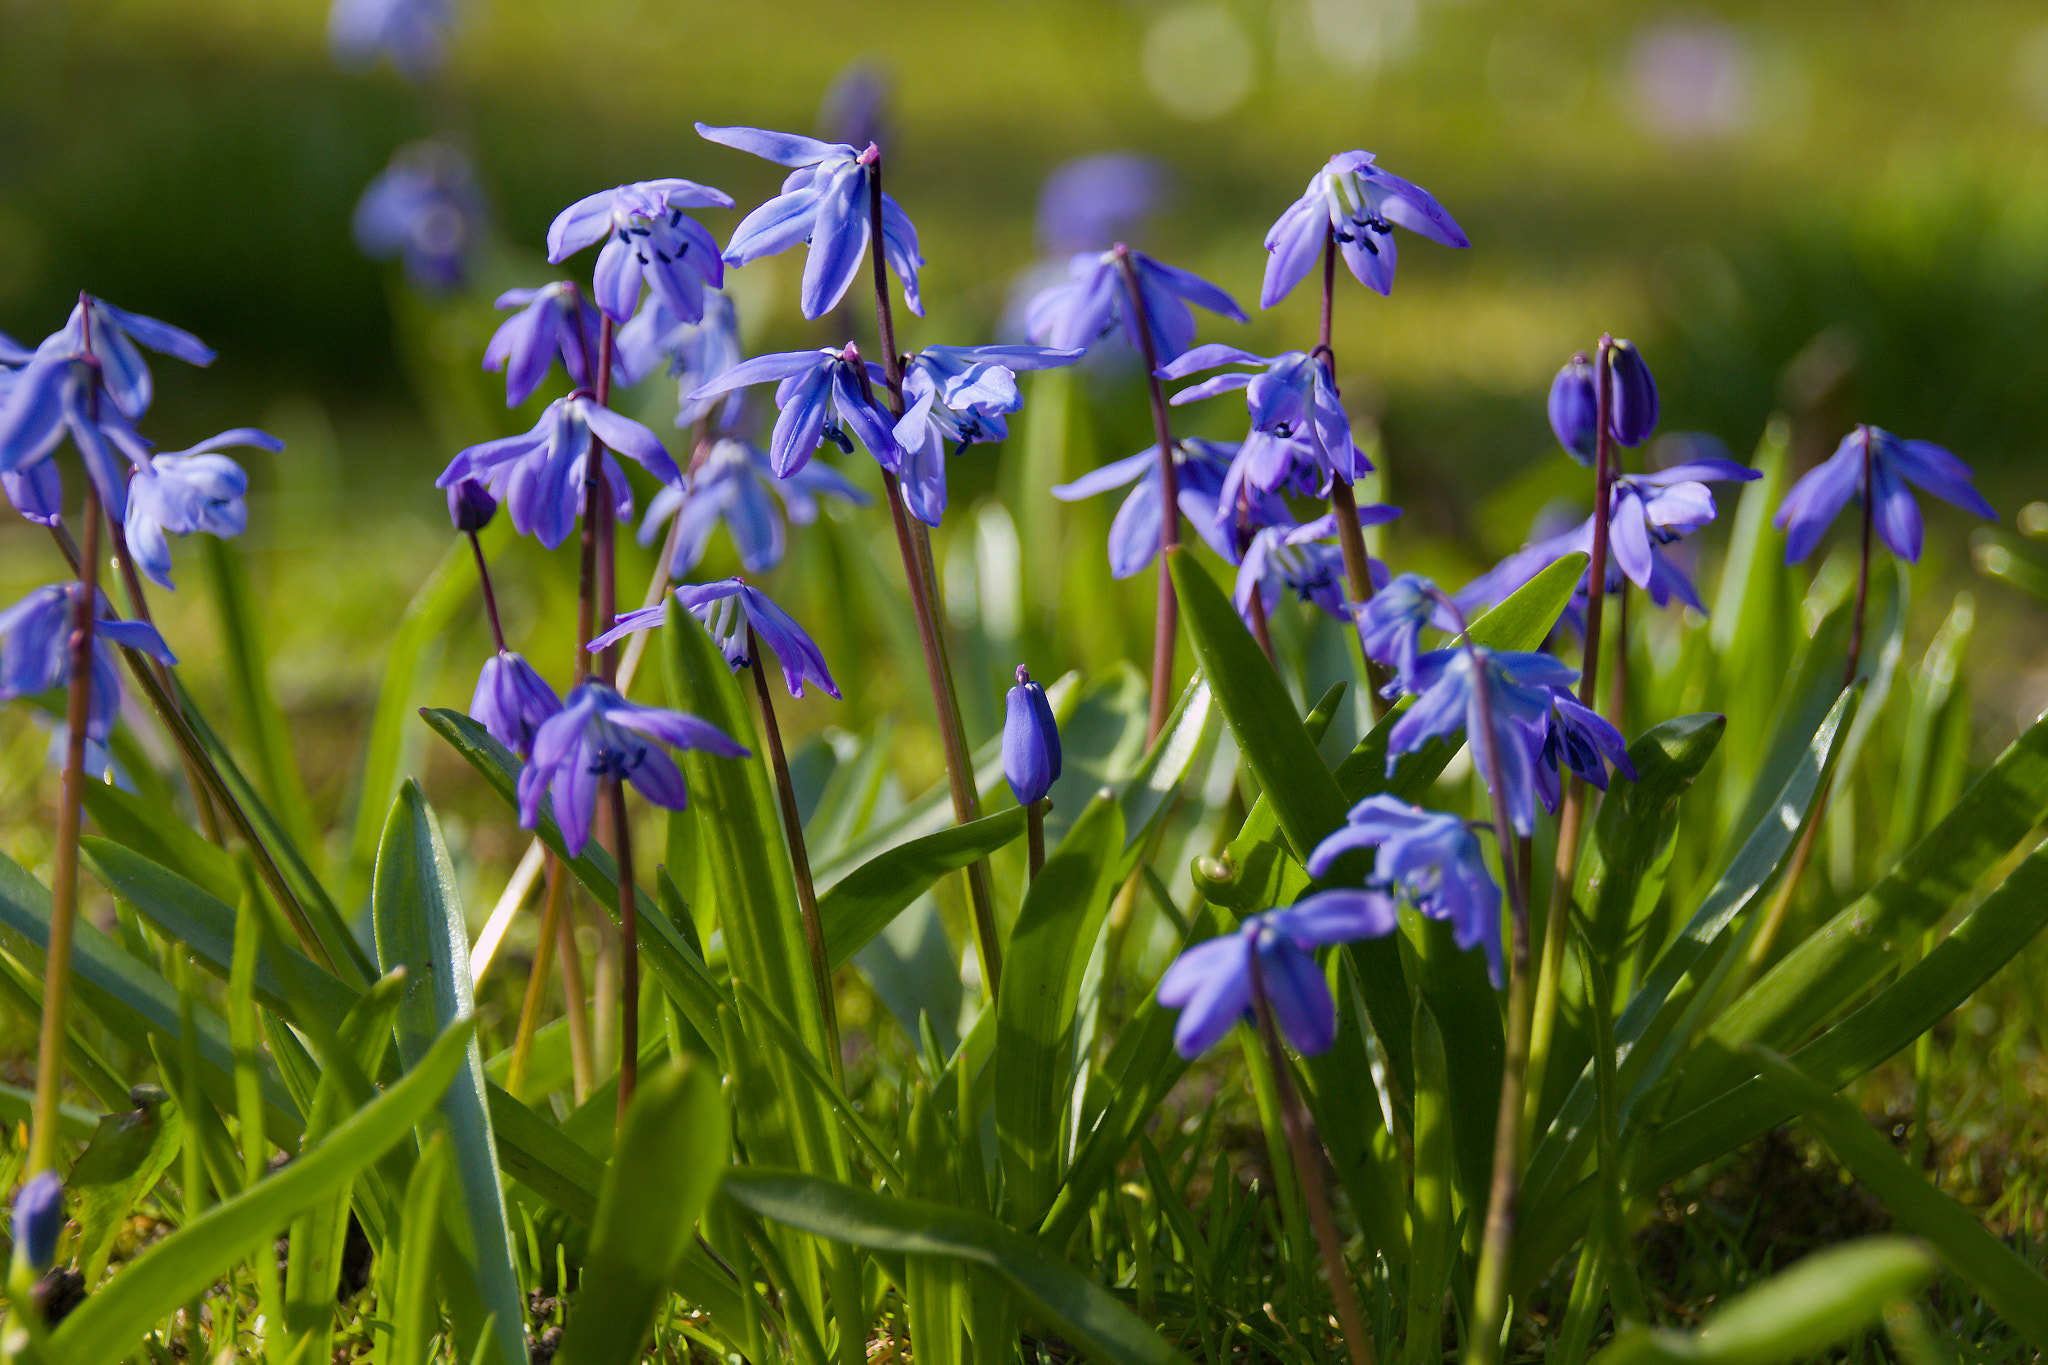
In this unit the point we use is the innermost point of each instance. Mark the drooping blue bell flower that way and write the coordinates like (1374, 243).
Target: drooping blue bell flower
(737, 615)
(187, 491)
(35, 652)
(961, 394)
(1447, 704)
(1294, 408)
(1199, 470)
(822, 394)
(731, 484)
(1362, 205)
(1431, 857)
(512, 701)
(39, 1219)
(1825, 490)
(553, 320)
(1096, 297)
(538, 475)
(1284, 557)
(1031, 741)
(425, 208)
(693, 353)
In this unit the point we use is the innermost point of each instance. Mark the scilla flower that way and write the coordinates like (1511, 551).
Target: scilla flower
(599, 734)
(190, 490)
(1447, 705)
(694, 354)
(1362, 204)
(1433, 858)
(1390, 626)
(426, 209)
(512, 701)
(821, 393)
(738, 615)
(35, 652)
(1096, 297)
(1294, 410)
(470, 506)
(732, 485)
(539, 475)
(960, 394)
(647, 237)
(1212, 983)
(1199, 470)
(1291, 558)
(38, 1219)
(552, 320)
(107, 336)
(1031, 741)
(1580, 739)
(825, 202)
(1893, 463)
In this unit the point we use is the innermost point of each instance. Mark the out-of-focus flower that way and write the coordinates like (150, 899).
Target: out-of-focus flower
(1286, 557)
(599, 734)
(1893, 463)
(539, 475)
(1031, 741)
(646, 236)
(412, 33)
(38, 1219)
(1096, 297)
(1434, 858)
(1212, 983)
(1390, 625)
(425, 208)
(737, 615)
(731, 485)
(552, 320)
(854, 109)
(35, 652)
(694, 353)
(1087, 204)
(1362, 204)
(1199, 470)
(825, 202)
(187, 491)
(820, 393)
(512, 701)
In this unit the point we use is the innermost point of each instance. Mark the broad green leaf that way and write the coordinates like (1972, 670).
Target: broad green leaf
(418, 917)
(158, 835)
(2016, 1290)
(1799, 1313)
(1047, 953)
(1936, 742)
(172, 1272)
(1431, 1245)
(860, 904)
(128, 1153)
(407, 1279)
(1755, 626)
(1080, 1310)
(1148, 795)
(672, 1149)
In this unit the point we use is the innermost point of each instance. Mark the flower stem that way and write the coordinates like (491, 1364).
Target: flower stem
(483, 578)
(1862, 571)
(1343, 501)
(959, 763)
(536, 982)
(575, 1003)
(1262, 630)
(1302, 1145)
(1166, 617)
(42, 1151)
(1034, 836)
(658, 581)
(799, 860)
(629, 956)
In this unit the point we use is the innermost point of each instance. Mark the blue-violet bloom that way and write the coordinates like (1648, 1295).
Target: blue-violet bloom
(1095, 298)
(1390, 625)
(425, 208)
(410, 32)
(512, 701)
(539, 475)
(1293, 558)
(737, 616)
(599, 734)
(646, 236)
(1361, 204)
(552, 320)
(1085, 205)
(1031, 741)
(960, 394)
(820, 394)
(693, 353)
(1293, 396)
(824, 201)
(470, 506)
(1826, 489)
(1434, 858)
(1211, 984)
(187, 491)
(39, 1219)
(1578, 738)
(731, 485)
(35, 652)
(1447, 704)
(1199, 470)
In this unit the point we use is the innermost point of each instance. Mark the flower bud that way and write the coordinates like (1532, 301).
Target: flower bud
(470, 505)
(1632, 402)
(1575, 408)
(38, 1218)
(1031, 742)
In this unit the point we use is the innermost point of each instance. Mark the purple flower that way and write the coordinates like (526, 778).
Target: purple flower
(1575, 408)
(425, 208)
(1031, 741)
(855, 107)
(552, 320)
(1290, 557)
(1294, 410)
(1575, 401)
(959, 394)
(1096, 297)
(820, 393)
(1212, 983)
(539, 475)
(1448, 704)
(1825, 489)
(737, 615)
(1580, 739)
(1362, 204)
(38, 1219)
(1199, 470)
(694, 353)
(1390, 625)
(1632, 397)
(410, 32)
(55, 395)
(824, 201)
(1087, 204)
(512, 701)
(35, 651)
(190, 490)
(650, 238)
(470, 506)
(599, 734)
(731, 485)
(1434, 858)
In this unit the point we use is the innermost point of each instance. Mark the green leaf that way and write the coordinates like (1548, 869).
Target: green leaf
(407, 1272)
(2014, 1289)
(419, 925)
(862, 903)
(1637, 822)
(1432, 1246)
(158, 835)
(672, 1149)
(1827, 1297)
(1047, 953)
(104, 1330)
(128, 1153)
(1079, 1309)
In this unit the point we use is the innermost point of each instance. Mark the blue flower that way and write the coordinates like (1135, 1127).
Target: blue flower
(731, 485)
(650, 238)
(1087, 204)
(1575, 401)
(1580, 739)
(737, 615)
(599, 734)
(55, 395)
(470, 505)
(1095, 298)
(694, 353)
(1199, 470)
(1031, 741)
(1294, 396)
(35, 651)
(552, 320)
(1390, 625)
(824, 201)
(1290, 557)
(1575, 408)
(1362, 204)
(820, 393)
(539, 475)
(855, 106)
(1447, 705)
(1212, 985)
(410, 32)
(512, 701)
(1434, 858)
(1816, 499)
(39, 1219)
(425, 208)
(190, 490)
(959, 394)
(1632, 397)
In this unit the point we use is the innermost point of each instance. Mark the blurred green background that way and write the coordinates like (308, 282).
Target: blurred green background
(1839, 210)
